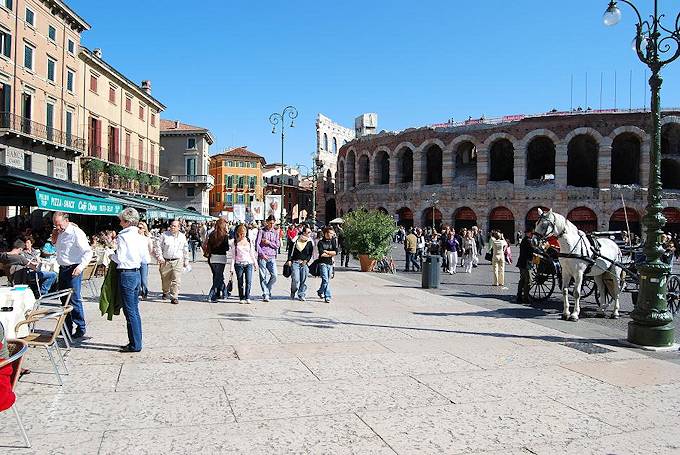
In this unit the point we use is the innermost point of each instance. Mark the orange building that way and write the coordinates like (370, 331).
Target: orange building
(238, 179)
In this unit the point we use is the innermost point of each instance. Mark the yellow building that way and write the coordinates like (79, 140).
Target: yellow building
(238, 179)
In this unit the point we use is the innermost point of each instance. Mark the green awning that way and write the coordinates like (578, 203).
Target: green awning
(65, 201)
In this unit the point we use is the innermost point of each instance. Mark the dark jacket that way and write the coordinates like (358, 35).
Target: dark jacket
(526, 251)
(327, 245)
(296, 255)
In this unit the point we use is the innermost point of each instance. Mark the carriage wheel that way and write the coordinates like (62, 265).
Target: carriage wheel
(673, 294)
(541, 285)
(587, 287)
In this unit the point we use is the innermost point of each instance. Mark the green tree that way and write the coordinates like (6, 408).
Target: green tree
(369, 232)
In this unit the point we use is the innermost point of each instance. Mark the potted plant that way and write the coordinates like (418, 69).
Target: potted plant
(369, 235)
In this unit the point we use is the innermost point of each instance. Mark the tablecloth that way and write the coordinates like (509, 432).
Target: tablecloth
(22, 302)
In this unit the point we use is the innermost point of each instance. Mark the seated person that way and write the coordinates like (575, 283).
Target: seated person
(48, 250)
(32, 254)
(7, 397)
(22, 270)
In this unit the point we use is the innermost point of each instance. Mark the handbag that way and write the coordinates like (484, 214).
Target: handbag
(488, 256)
(230, 286)
(314, 268)
(287, 270)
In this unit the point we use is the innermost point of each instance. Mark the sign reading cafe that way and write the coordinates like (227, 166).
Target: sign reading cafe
(71, 203)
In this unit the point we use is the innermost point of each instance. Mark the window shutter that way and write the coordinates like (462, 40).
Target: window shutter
(8, 45)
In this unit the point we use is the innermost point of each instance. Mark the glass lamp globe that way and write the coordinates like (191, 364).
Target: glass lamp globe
(612, 16)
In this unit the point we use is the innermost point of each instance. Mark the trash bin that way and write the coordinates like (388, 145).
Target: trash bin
(431, 269)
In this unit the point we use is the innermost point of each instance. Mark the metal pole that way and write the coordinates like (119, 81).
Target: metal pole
(314, 196)
(283, 196)
(275, 119)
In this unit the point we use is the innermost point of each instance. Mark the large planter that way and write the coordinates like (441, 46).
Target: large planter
(366, 263)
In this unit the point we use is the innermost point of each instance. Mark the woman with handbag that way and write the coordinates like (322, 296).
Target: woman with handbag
(299, 253)
(215, 249)
(497, 246)
(328, 249)
(243, 262)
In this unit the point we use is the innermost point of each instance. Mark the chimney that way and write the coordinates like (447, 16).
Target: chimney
(97, 52)
(176, 124)
(146, 86)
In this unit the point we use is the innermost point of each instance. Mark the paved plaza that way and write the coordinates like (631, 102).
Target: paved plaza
(386, 368)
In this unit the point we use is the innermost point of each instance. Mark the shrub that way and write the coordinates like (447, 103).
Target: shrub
(369, 232)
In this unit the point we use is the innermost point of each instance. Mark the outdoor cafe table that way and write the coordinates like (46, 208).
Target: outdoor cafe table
(21, 301)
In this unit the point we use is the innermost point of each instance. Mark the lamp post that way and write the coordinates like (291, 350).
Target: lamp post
(280, 119)
(318, 165)
(652, 323)
(433, 199)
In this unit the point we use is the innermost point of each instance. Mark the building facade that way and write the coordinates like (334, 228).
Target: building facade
(495, 173)
(185, 160)
(238, 179)
(122, 130)
(297, 190)
(41, 125)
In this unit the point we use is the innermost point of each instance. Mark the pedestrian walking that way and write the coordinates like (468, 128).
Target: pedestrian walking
(526, 252)
(131, 251)
(299, 254)
(479, 243)
(328, 249)
(469, 251)
(217, 248)
(194, 239)
(144, 267)
(497, 246)
(452, 246)
(243, 263)
(73, 255)
(172, 253)
(267, 246)
(420, 244)
(411, 248)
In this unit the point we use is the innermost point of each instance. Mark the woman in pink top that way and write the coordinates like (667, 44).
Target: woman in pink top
(244, 261)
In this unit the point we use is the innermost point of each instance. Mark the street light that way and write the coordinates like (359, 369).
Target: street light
(433, 199)
(652, 323)
(279, 119)
(318, 165)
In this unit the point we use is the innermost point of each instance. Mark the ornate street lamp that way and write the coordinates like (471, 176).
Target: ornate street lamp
(652, 323)
(279, 119)
(433, 199)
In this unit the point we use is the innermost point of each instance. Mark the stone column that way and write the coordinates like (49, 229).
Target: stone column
(482, 166)
(393, 172)
(371, 170)
(561, 160)
(520, 166)
(418, 169)
(448, 164)
(604, 165)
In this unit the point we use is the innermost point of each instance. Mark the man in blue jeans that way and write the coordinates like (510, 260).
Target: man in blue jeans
(267, 245)
(131, 251)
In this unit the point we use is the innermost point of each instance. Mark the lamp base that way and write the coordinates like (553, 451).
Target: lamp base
(654, 336)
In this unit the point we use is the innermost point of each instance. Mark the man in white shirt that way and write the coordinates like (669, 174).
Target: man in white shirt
(73, 255)
(172, 253)
(131, 250)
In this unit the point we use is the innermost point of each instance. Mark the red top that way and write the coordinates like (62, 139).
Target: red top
(553, 242)
(7, 396)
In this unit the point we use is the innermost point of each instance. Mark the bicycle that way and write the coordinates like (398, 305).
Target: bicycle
(385, 265)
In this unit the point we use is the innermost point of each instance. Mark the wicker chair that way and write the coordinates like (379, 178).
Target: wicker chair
(17, 349)
(48, 339)
(88, 275)
(56, 300)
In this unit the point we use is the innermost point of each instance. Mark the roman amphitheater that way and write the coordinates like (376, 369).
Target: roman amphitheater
(495, 173)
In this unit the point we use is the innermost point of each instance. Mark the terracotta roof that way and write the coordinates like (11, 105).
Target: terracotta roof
(176, 125)
(240, 152)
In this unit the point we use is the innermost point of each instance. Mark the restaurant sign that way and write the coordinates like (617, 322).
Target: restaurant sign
(74, 203)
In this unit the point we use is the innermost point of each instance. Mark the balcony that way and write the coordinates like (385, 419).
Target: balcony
(39, 132)
(115, 157)
(121, 177)
(207, 180)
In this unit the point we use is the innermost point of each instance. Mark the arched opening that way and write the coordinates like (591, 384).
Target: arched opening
(583, 218)
(582, 161)
(501, 219)
(466, 162)
(532, 217)
(502, 161)
(382, 168)
(364, 170)
(670, 174)
(672, 220)
(325, 141)
(430, 214)
(328, 183)
(617, 222)
(540, 161)
(405, 165)
(351, 171)
(670, 139)
(433, 165)
(331, 210)
(626, 159)
(341, 176)
(405, 215)
(464, 217)
(335, 145)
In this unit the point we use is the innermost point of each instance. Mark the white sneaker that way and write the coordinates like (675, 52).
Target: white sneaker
(242, 302)
(265, 299)
(248, 301)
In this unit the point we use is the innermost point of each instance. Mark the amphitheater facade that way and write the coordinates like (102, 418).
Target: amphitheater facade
(495, 173)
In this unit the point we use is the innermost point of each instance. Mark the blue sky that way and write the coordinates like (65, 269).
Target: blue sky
(227, 65)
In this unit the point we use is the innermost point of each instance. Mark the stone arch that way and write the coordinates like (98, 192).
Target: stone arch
(617, 222)
(583, 218)
(587, 131)
(670, 174)
(325, 141)
(502, 219)
(363, 169)
(670, 136)
(465, 149)
(404, 156)
(331, 210)
(381, 167)
(335, 145)
(328, 182)
(502, 160)
(464, 217)
(540, 157)
(625, 168)
(434, 164)
(428, 213)
(405, 217)
(582, 155)
(350, 165)
(541, 132)
(340, 175)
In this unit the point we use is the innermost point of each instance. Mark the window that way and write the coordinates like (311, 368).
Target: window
(241, 182)
(51, 69)
(128, 142)
(230, 163)
(30, 17)
(93, 83)
(28, 162)
(69, 172)
(190, 191)
(141, 112)
(191, 143)
(218, 197)
(28, 57)
(112, 95)
(251, 182)
(191, 166)
(153, 119)
(141, 154)
(52, 33)
(128, 104)
(230, 199)
(229, 181)
(325, 141)
(5, 43)
(71, 46)
(69, 127)
(7, 4)
(335, 145)
(50, 168)
(240, 198)
(70, 80)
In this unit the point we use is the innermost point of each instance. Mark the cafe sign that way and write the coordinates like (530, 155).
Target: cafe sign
(74, 203)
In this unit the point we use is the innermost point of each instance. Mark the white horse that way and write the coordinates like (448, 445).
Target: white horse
(574, 244)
